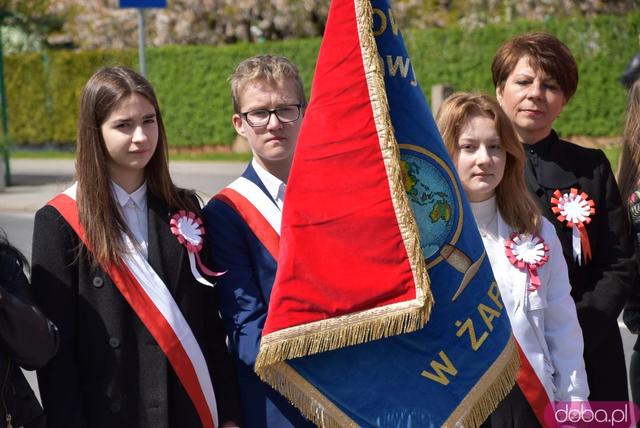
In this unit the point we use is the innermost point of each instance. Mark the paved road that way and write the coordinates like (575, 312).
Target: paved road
(34, 182)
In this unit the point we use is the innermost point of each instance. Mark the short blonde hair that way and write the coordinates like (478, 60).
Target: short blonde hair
(516, 205)
(272, 69)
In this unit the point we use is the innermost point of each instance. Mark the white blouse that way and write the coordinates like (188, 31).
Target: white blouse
(544, 320)
(133, 208)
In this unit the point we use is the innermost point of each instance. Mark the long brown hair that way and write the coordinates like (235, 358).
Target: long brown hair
(97, 206)
(629, 172)
(515, 204)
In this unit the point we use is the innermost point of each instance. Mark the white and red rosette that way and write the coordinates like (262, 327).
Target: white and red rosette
(527, 252)
(576, 209)
(187, 227)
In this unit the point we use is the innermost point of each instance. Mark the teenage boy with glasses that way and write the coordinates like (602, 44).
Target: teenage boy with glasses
(243, 223)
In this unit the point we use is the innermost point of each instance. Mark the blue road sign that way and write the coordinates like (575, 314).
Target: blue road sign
(143, 4)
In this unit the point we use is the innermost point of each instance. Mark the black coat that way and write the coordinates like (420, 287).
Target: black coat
(27, 340)
(601, 286)
(109, 371)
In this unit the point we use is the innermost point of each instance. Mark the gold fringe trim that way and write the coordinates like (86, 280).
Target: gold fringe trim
(490, 390)
(338, 332)
(377, 323)
(391, 154)
(304, 396)
(479, 403)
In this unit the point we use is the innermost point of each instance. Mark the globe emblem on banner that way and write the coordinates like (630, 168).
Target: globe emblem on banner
(434, 199)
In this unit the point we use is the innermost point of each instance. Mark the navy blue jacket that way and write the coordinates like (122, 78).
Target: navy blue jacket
(244, 293)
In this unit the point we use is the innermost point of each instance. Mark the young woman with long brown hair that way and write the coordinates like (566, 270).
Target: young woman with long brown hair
(115, 267)
(525, 255)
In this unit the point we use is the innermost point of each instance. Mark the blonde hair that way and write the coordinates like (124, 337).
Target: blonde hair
(629, 171)
(272, 69)
(515, 204)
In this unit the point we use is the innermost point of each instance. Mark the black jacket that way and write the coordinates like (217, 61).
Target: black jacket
(601, 286)
(110, 371)
(27, 340)
(631, 314)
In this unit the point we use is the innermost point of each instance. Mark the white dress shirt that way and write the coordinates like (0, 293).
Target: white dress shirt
(274, 185)
(133, 208)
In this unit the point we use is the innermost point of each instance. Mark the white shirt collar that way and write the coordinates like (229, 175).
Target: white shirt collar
(486, 213)
(274, 185)
(139, 195)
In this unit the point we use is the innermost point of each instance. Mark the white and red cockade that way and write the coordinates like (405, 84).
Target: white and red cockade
(527, 252)
(188, 228)
(576, 209)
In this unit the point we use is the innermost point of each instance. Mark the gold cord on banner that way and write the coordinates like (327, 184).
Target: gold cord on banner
(471, 412)
(391, 155)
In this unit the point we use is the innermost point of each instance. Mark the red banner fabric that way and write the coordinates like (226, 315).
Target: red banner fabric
(340, 232)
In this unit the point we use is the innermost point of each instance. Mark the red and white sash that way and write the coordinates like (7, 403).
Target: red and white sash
(259, 212)
(532, 388)
(151, 300)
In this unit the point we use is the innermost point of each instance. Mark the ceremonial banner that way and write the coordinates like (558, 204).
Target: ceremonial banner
(384, 311)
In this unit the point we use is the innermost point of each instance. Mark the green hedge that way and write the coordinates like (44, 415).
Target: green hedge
(193, 87)
(28, 100)
(191, 81)
(602, 47)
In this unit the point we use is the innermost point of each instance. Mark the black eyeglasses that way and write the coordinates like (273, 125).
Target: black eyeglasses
(261, 117)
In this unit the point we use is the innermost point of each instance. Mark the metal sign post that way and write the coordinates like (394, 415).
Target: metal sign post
(6, 141)
(141, 5)
(141, 60)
